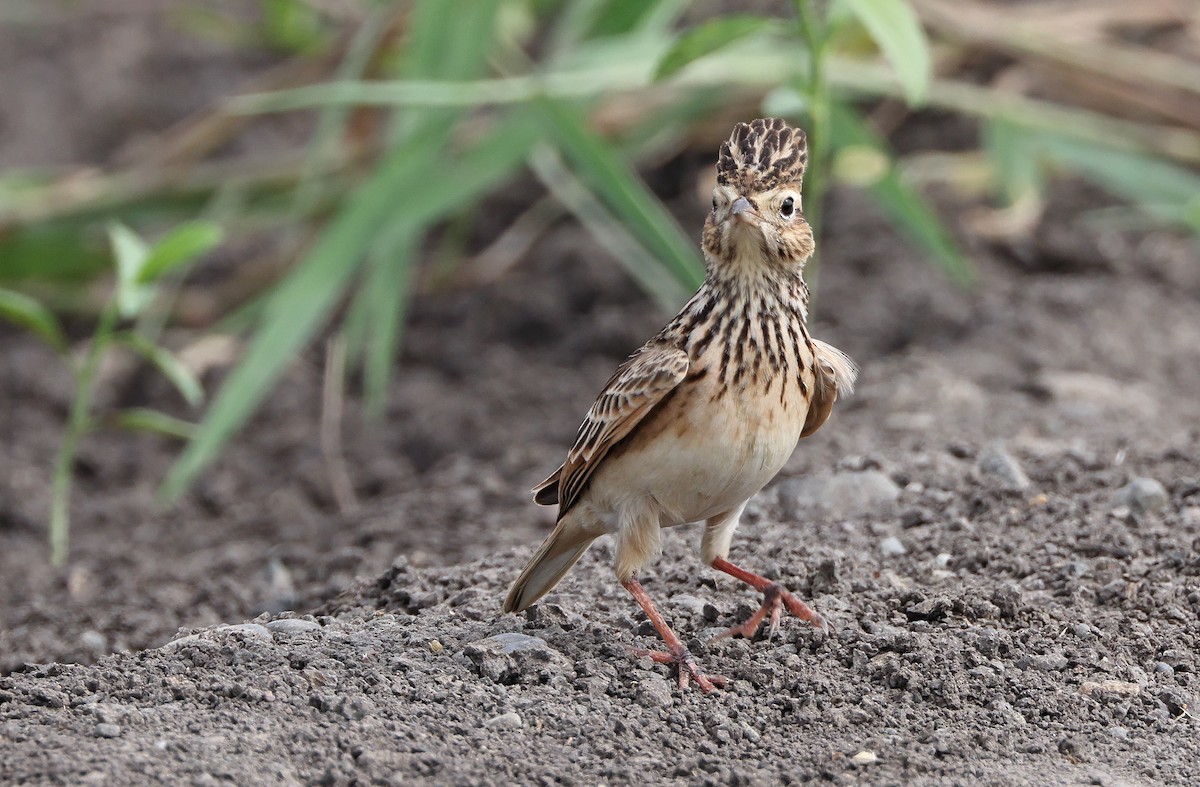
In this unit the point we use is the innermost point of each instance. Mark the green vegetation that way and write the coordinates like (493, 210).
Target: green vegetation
(139, 274)
(425, 109)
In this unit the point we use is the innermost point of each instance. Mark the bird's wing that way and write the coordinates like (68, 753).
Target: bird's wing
(638, 385)
(834, 374)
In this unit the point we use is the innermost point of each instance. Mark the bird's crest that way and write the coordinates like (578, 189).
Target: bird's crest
(762, 155)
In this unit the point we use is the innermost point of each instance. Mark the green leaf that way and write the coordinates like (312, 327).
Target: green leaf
(26, 312)
(614, 182)
(901, 203)
(130, 253)
(181, 245)
(167, 364)
(705, 39)
(895, 28)
(142, 419)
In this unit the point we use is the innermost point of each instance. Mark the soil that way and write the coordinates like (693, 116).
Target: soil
(1005, 607)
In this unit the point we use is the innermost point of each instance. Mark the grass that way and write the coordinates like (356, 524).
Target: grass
(460, 99)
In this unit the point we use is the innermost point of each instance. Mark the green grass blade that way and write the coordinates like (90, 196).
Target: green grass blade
(903, 205)
(610, 233)
(705, 39)
(1014, 158)
(298, 307)
(182, 245)
(167, 364)
(411, 185)
(1163, 190)
(130, 253)
(615, 183)
(20, 309)
(894, 26)
(142, 419)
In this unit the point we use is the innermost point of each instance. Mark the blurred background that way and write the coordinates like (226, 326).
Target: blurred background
(290, 287)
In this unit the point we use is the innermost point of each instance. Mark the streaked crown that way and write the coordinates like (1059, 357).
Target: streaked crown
(762, 155)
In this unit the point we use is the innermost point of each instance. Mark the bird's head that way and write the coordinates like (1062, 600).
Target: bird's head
(756, 213)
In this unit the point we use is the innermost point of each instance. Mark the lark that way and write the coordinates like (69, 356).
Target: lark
(697, 421)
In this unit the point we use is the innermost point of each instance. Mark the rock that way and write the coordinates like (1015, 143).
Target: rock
(998, 468)
(653, 691)
(247, 630)
(833, 495)
(515, 658)
(94, 641)
(1142, 496)
(107, 730)
(292, 626)
(1050, 662)
(1118, 688)
(892, 547)
(505, 721)
(864, 758)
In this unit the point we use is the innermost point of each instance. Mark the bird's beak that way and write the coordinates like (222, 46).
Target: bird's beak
(744, 211)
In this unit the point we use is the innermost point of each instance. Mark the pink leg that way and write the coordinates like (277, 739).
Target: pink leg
(676, 653)
(775, 598)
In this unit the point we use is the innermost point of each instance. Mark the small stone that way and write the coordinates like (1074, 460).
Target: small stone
(513, 657)
(1120, 733)
(1142, 496)
(94, 641)
(1163, 668)
(247, 630)
(998, 467)
(436, 646)
(107, 730)
(1050, 662)
(292, 626)
(1119, 688)
(505, 721)
(892, 547)
(864, 758)
(653, 691)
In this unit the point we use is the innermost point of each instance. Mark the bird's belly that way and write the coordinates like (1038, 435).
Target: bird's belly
(702, 458)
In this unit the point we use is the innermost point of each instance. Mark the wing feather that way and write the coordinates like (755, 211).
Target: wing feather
(635, 389)
(835, 375)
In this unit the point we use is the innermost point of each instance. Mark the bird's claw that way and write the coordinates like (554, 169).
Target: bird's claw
(775, 600)
(687, 668)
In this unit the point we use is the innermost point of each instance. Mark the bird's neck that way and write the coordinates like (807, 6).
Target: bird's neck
(749, 318)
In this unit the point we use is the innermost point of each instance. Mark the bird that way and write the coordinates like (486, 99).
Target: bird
(700, 418)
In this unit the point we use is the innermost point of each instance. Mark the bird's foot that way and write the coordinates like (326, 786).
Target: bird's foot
(775, 600)
(688, 669)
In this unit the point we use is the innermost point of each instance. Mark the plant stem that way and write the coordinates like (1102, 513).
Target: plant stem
(78, 425)
(815, 32)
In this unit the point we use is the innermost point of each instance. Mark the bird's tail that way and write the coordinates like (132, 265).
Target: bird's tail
(561, 549)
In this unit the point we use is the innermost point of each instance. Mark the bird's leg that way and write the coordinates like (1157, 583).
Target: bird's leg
(775, 599)
(676, 653)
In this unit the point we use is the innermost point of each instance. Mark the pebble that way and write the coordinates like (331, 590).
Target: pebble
(837, 494)
(1142, 496)
(998, 467)
(653, 691)
(1120, 688)
(292, 626)
(864, 758)
(94, 641)
(505, 721)
(1050, 662)
(892, 547)
(107, 730)
(511, 656)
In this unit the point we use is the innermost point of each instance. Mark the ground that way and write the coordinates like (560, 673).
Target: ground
(1001, 526)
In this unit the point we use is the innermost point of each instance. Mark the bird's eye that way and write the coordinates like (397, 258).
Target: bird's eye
(787, 208)
(714, 203)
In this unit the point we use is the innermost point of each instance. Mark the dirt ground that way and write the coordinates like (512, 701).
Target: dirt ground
(1002, 528)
